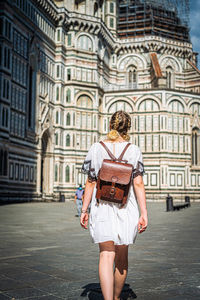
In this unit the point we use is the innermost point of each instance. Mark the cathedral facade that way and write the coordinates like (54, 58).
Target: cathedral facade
(67, 66)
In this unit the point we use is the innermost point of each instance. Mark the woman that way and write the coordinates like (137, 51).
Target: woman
(112, 227)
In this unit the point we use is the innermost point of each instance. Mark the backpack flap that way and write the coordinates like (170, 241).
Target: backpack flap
(116, 172)
(114, 178)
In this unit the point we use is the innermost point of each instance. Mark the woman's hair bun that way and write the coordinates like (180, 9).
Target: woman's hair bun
(120, 123)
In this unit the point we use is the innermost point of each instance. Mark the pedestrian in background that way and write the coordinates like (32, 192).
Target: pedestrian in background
(79, 199)
(113, 227)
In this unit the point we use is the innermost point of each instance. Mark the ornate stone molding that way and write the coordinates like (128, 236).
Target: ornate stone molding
(49, 8)
(83, 26)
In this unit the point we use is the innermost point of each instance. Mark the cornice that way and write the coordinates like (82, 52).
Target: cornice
(79, 22)
(49, 8)
(154, 44)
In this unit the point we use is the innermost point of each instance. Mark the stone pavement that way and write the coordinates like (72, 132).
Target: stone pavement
(45, 254)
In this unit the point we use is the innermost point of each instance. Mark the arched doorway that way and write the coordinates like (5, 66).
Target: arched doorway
(46, 164)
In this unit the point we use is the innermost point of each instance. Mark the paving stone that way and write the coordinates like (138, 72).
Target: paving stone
(8, 284)
(4, 297)
(25, 293)
(29, 276)
(45, 254)
(50, 297)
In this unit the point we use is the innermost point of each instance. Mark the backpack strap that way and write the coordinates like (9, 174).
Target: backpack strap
(108, 151)
(123, 152)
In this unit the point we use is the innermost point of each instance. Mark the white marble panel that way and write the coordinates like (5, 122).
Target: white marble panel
(89, 121)
(181, 144)
(145, 179)
(156, 142)
(174, 123)
(148, 105)
(179, 179)
(83, 141)
(175, 146)
(153, 179)
(170, 123)
(170, 143)
(78, 74)
(142, 123)
(84, 75)
(142, 142)
(155, 123)
(181, 124)
(149, 143)
(78, 140)
(88, 141)
(172, 179)
(149, 123)
(193, 180)
(83, 120)
(89, 79)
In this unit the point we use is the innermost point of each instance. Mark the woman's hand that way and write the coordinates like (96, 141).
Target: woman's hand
(84, 220)
(142, 224)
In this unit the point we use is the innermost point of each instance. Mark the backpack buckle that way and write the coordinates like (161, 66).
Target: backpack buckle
(112, 191)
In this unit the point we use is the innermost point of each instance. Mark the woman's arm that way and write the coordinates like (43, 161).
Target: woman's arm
(139, 189)
(89, 187)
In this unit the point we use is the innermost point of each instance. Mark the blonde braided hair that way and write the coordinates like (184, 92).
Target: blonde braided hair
(120, 123)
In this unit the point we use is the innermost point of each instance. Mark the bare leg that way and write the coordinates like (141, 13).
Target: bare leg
(106, 261)
(121, 269)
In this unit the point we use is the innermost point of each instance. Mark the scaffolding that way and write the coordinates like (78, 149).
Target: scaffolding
(165, 18)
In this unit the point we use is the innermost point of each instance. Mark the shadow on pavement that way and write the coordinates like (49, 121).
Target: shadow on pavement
(93, 291)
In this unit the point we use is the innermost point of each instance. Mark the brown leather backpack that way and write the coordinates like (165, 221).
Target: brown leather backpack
(114, 178)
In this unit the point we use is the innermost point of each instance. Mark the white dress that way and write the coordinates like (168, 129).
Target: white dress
(109, 222)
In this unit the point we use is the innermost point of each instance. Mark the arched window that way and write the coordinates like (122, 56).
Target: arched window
(56, 138)
(170, 77)
(84, 101)
(196, 147)
(56, 173)
(132, 76)
(68, 119)
(85, 43)
(67, 174)
(111, 7)
(73, 140)
(95, 121)
(68, 96)
(95, 8)
(106, 57)
(3, 162)
(57, 93)
(74, 119)
(67, 140)
(57, 117)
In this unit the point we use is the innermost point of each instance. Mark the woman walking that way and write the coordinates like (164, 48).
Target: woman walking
(114, 227)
